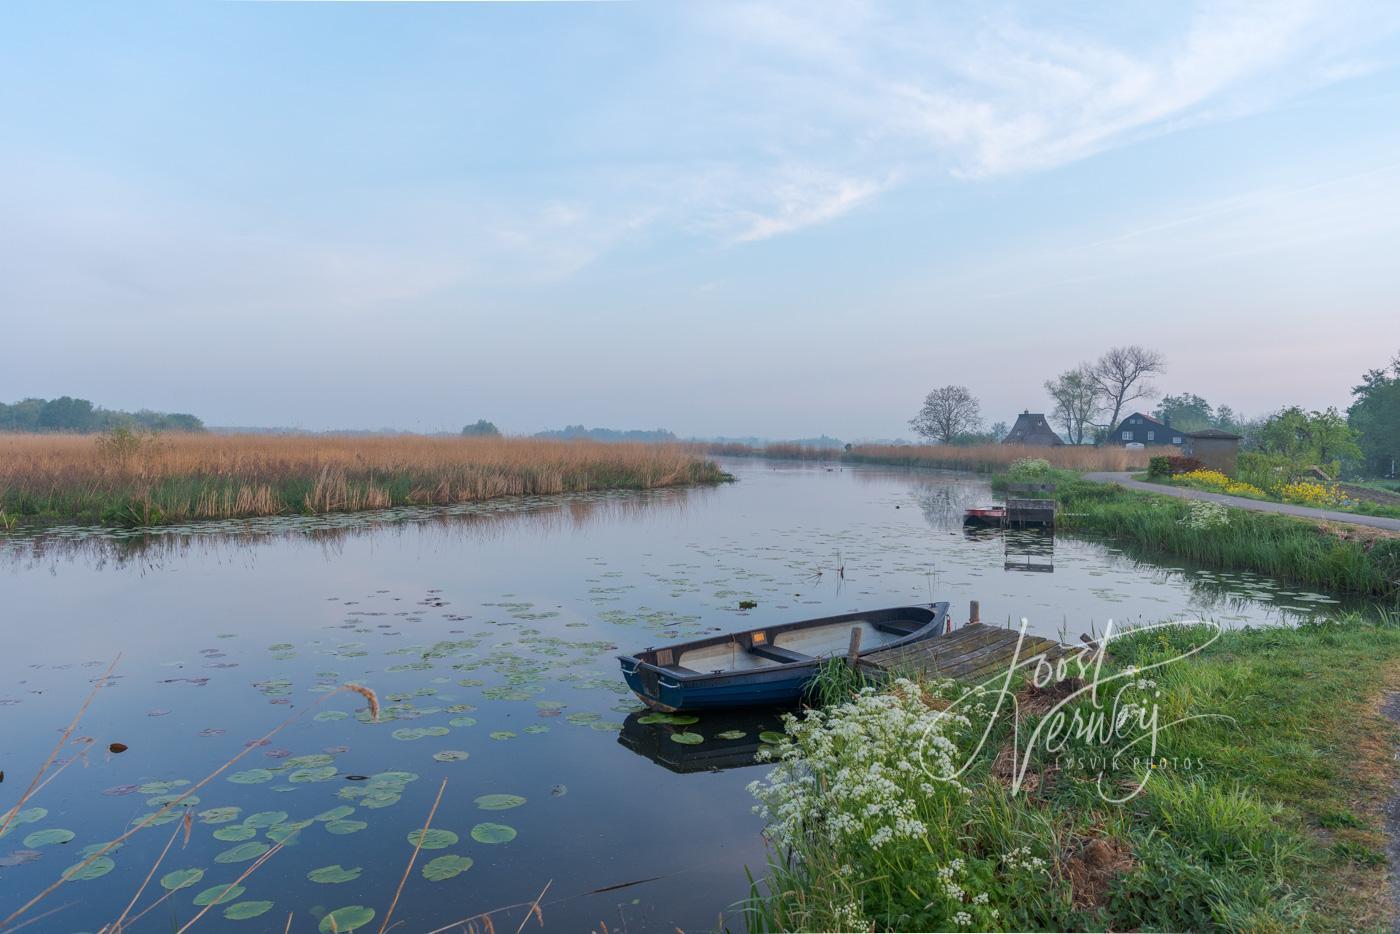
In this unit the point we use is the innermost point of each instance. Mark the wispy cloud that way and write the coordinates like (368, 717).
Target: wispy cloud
(997, 94)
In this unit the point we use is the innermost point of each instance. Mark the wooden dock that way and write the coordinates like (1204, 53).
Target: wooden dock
(973, 653)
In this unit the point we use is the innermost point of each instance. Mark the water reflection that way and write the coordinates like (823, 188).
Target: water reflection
(467, 523)
(1029, 550)
(728, 739)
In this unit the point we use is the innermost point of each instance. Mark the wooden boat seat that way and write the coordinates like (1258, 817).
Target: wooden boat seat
(778, 654)
(900, 627)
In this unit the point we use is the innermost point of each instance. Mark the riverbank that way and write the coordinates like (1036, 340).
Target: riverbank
(981, 458)
(126, 479)
(1340, 558)
(1263, 808)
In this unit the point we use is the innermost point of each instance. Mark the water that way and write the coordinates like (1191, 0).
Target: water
(488, 631)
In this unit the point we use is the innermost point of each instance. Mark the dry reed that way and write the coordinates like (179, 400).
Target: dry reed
(179, 477)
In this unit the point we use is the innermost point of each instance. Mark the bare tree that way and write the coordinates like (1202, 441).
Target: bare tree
(1078, 401)
(948, 412)
(1121, 376)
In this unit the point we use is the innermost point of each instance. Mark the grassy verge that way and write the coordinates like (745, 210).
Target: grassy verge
(1326, 497)
(1264, 810)
(1324, 556)
(134, 480)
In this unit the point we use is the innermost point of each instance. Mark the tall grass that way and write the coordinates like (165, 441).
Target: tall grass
(1336, 559)
(179, 477)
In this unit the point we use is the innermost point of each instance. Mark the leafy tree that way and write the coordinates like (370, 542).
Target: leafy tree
(66, 414)
(1375, 416)
(948, 412)
(481, 429)
(992, 435)
(1078, 401)
(1187, 412)
(1309, 437)
(1227, 420)
(1122, 375)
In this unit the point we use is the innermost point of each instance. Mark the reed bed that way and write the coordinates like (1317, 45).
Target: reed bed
(134, 480)
(984, 458)
(990, 458)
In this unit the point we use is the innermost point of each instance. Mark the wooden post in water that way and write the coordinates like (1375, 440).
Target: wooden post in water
(974, 612)
(853, 653)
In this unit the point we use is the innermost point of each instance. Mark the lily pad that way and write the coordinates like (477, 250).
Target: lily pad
(332, 874)
(235, 833)
(493, 833)
(181, 878)
(344, 920)
(335, 814)
(48, 837)
(315, 760)
(265, 818)
(687, 739)
(536, 728)
(242, 911)
(446, 867)
(218, 894)
(242, 853)
(343, 827)
(251, 777)
(502, 734)
(450, 755)
(731, 734)
(434, 839)
(93, 870)
(675, 719)
(319, 774)
(771, 736)
(462, 721)
(286, 833)
(499, 802)
(326, 715)
(219, 815)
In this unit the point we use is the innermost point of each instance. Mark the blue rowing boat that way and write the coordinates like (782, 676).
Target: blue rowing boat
(771, 665)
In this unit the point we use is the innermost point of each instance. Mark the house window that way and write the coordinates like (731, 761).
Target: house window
(1176, 440)
(1152, 436)
(1127, 436)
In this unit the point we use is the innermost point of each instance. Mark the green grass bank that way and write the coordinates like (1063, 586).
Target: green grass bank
(1263, 809)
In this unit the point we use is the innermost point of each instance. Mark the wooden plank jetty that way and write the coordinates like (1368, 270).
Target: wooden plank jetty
(973, 653)
(1024, 510)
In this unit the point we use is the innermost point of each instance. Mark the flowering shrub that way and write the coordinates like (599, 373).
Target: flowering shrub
(862, 805)
(1204, 516)
(1312, 493)
(1029, 468)
(1217, 482)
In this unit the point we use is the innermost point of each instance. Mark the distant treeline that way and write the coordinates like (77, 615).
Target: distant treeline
(572, 432)
(80, 416)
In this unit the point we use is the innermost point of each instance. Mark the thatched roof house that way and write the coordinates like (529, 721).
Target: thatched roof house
(1032, 428)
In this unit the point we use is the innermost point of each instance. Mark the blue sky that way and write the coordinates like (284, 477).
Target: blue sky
(777, 219)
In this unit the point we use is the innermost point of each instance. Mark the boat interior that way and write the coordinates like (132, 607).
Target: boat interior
(753, 650)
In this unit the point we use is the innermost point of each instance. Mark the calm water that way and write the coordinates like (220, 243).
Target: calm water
(489, 635)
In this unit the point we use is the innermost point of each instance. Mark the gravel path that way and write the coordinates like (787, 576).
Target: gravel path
(1288, 509)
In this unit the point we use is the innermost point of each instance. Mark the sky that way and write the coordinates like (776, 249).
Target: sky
(772, 219)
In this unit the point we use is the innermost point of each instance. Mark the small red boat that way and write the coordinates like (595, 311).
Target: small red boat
(986, 516)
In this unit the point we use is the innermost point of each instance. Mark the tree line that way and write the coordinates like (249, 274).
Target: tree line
(1090, 400)
(80, 416)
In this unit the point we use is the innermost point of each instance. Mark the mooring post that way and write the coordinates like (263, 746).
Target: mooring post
(853, 653)
(974, 612)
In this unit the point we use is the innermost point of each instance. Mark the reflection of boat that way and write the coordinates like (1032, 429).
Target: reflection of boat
(719, 749)
(985, 516)
(772, 665)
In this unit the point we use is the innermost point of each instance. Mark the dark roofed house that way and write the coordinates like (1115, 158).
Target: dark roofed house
(1032, 428)
(1145, 430)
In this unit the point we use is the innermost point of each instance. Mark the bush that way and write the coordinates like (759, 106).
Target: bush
(1030, 469)
(1159, 466)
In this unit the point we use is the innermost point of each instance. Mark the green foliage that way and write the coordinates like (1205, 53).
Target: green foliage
(1322, 438)
(1375, 416)
(481, 429)
(67, 414)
